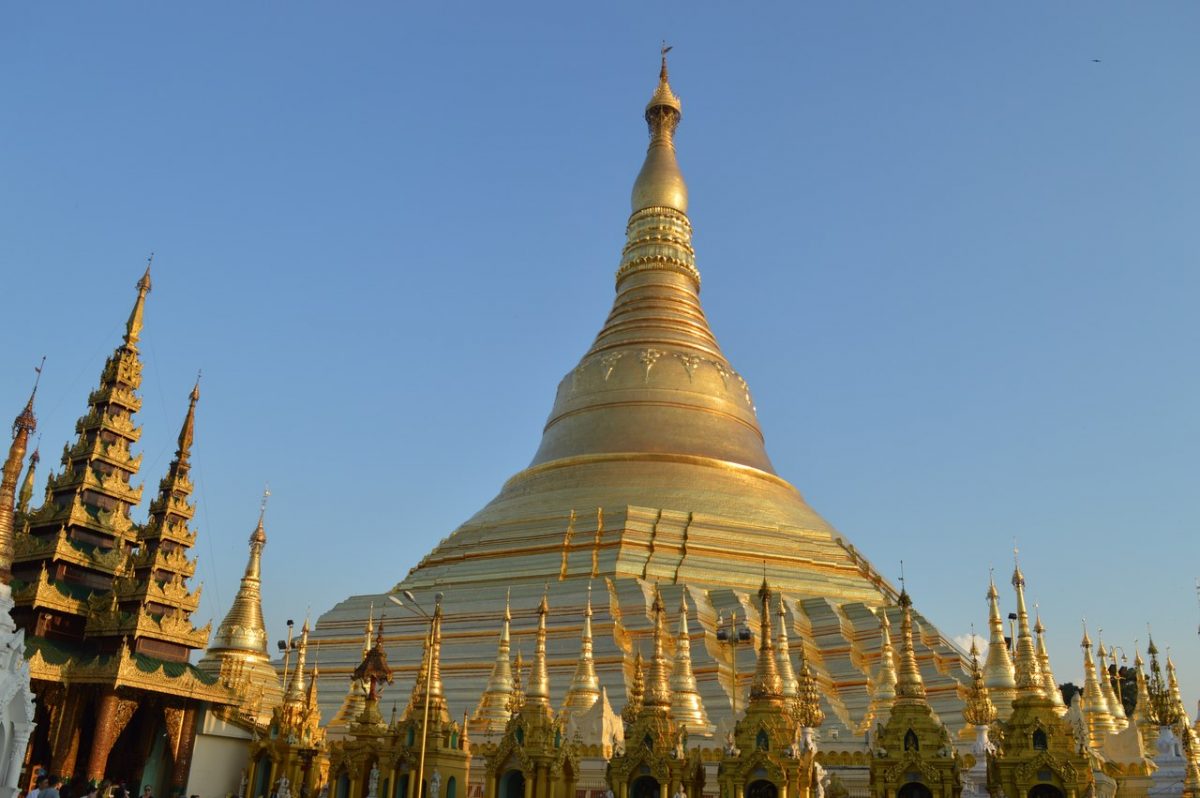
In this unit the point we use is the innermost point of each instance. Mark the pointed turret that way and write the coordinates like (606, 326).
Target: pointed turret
(428, 686)
(1049, 683)
(23, 426)
(687, 708)
(660, 184)
(1095, 706)
(978, 709)
(885, 683)
(1160, 693)
(783, 653)
(294, 695)
(658, 681)
(584, 691)
(26, 494)
(637, 691)
(517, 700)
(537, 695)
(1143, 712)
(495, 705)
(353, 704)
(1106, 689)
(1179, 716)
(998, 673)
(133, 327)
(910, 687)
(767, 686)
(238, 651)
(1028, 671)
(808, 694)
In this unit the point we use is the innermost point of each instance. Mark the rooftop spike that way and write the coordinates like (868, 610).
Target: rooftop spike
(808, 694)
(23, 426)
(495, 705)
(1049, 683)
(1095, 707)
(978, 709)
(538, 693)
(584, 691)
(133, 327)
(26, 494)
(787, 675)
(767, 685)
(637, 691)
(998, 673)
(658, 687)
(243, 628)
(687, 708)
(1106, 689)
(295, 689)
(1028, 673)
(660, 184)
(910, 688)
(1143, 712)
(885, 683)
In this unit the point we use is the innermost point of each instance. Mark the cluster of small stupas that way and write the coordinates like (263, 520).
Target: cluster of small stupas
(697, 629)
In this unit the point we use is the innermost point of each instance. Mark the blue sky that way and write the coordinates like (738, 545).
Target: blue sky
(953, 254)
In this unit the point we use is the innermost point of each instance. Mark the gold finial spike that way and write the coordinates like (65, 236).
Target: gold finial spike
(767, 685)
(910, 688)
(885, 684)
(538, 692)
(660, 184)
(999, 674)
(187, 433)
(26, 494)
(658, 690)
(22, 428)
(687, 708)
(133, 327)
(584, 691)
(1049, 683)
(1028, 672)
(978, 709)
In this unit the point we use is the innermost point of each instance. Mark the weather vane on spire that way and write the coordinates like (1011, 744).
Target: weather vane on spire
(262, 508)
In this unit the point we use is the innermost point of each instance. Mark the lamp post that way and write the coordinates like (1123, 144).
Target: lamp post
(731, 635)
(287, 648)
(414, 790)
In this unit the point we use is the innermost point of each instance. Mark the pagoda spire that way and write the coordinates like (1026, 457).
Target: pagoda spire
(910, 689)
(584, 691)
(767, 686)
(1160, 694)
(1095, 706)
(133, 327)
(495, 705)
(517, 699)
(1106, 689)
(658, 686)
(978, 709)
(1028, 673)
(243, 628)
(1180, 714)
(660, 184)
(537, 695)
(687, 708)
(295, 689)
(1143, 712)
(998, 672)
(428, 686)
(23, 426)
(885, 684)
(637, 691)
(808, 694)
(26, 494)
(1049, 683)
(783, 653)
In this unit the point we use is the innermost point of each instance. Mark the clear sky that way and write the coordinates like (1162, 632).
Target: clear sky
(952, 247)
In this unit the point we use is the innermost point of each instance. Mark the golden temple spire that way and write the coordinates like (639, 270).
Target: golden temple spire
(517, 699)
(1095, 707)
(687, 708)
(998, 672)
(1143, 712)
(23, 426)
(637, 691)
(1028, 673)
(978, 709)
(495, 705)
(243, 628)
(910, 688)
(660, 184)
(885, 684)
(1106, 689)
(1180, 715)
(295, 689)
(787, 676)
(538, 693)
(1049, 683)
(658, 688)
(808, 694)
(133, 327)
(26, 494)
(187, 433)
(1160, 693)
(584, 691)
(767, 685)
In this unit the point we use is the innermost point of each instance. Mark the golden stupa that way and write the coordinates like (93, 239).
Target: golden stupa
(652, 471)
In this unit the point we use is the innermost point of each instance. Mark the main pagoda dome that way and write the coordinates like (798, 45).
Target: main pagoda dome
(651, 472)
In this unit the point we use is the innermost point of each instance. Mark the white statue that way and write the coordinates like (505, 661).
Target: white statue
(373, 782)
(818, 780)
(282, 789)
(731, 748)
(435, 784)
(680, 793)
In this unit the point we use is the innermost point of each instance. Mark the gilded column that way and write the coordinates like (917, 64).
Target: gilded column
(183, 753)
(103, 737)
